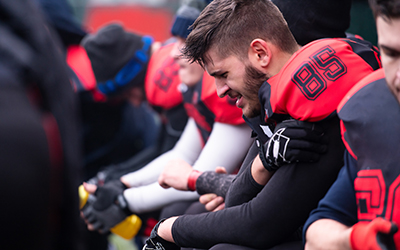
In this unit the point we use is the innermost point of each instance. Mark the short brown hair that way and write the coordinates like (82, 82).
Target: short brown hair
(386, 9)
(231, 25)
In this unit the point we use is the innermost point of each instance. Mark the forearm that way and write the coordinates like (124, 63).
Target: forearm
(212, 182)
(135, 163)
(244, 187)
(152, 197)
(222, 149)
(259, 173)
(149, 173)
(165, 229)
(328, 234)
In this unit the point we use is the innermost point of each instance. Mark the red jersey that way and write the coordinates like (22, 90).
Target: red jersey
(79, 62)
(162, 79)
(316, 78)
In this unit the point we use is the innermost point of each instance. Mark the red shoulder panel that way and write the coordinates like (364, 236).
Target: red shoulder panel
(162, 79)
(224, 109)
(315, 80)
(79, 62)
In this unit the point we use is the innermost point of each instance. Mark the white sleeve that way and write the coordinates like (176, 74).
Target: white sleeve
(227, 146)
(187, 148)
(152, 197)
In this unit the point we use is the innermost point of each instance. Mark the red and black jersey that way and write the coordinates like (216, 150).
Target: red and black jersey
(313, 82)
(79, 61)
(203, 104)
(162, 92)
(85, 84)
(162, 79)
(370, 119)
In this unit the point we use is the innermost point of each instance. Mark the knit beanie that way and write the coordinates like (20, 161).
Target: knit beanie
(119, 58)
(186, 15)
(313, 19)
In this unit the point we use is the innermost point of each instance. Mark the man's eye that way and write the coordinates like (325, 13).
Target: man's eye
(224, 75)
(391, 53)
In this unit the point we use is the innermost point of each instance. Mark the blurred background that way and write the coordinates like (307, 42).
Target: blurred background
(155, 17)
(150, 17)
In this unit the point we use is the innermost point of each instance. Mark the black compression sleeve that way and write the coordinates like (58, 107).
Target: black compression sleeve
(212, 182)
(244, 187)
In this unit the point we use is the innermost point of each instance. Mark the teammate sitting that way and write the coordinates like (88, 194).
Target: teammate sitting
(360, 209)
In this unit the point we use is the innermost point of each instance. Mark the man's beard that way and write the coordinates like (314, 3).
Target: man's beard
(254, 78)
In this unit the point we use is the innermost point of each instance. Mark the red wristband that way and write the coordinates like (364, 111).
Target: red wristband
(191, 183)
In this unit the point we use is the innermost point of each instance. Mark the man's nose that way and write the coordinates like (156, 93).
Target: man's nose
(222, 88)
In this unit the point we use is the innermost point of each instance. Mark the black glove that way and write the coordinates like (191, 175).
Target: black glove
(293, 141)
(109, 207)
(100, 178)
(155, 242)
(107, 194)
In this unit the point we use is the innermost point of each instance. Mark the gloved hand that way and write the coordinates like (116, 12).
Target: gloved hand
(155, 242)
(293, 141)
(377, 234)
(109, 207)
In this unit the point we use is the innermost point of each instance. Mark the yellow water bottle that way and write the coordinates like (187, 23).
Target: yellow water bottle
(127, 228)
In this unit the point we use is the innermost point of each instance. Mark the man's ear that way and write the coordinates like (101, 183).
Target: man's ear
(260, 52)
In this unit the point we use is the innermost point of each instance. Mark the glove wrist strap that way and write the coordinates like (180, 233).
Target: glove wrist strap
(268, 165)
